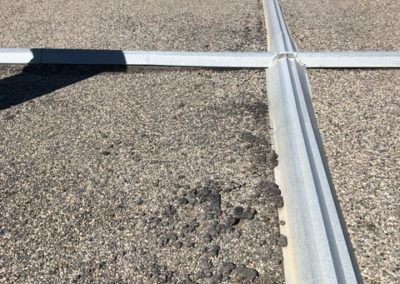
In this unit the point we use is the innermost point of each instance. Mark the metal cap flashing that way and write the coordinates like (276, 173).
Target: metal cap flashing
(317, 250)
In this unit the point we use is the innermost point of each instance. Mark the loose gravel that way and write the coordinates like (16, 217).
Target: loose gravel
(358, 113)
(136, 177)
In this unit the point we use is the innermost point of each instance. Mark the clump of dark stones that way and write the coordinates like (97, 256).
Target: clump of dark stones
(279, 202)
(243, 273)
(183, 201)
(232, 221)
(227, 268)
(168, 238)
(161, 274)
(191, 196)
(190, 227)
(213, 250)
(219, 222)
(169, 211)
(270, 191)
(241, 213)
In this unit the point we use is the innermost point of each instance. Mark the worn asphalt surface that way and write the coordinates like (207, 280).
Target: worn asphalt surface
(136, 25)
(116, 175)
(343, 24)
(136, 175)
(358, 114)
(139, 177)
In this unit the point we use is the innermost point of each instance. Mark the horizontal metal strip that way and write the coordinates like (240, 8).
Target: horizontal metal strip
(343, 59)
(350, 59)
(120, 57)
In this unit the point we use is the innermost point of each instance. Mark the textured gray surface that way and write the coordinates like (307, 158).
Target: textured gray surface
(358, 113)
(138, 25)
(343, 24)
(87, 170)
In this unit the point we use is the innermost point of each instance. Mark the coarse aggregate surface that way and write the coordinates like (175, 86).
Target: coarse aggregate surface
(358, 114)
(136, 177)
(343, 24)
(188, 25)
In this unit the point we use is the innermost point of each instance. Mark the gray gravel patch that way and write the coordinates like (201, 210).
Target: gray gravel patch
(344, 24)
(139, 177)
(358, 113)
(138, 25)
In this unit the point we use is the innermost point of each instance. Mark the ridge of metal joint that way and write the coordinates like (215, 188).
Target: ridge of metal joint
(279, 39)
(317, 250)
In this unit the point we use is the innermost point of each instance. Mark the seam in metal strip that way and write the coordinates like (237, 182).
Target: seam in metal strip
(317, 250)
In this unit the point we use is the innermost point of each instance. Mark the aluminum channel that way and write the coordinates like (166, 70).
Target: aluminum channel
(279, 39)
(152, 58)
(317, 250)
(345, 59)
(350, 59)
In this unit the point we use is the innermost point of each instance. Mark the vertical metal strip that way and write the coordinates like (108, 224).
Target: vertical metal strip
(317, 251)
(279, 39)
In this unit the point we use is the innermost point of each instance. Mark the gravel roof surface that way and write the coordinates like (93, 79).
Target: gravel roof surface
(138, 25)
(358, 113)
(344, 24)
(137, 176)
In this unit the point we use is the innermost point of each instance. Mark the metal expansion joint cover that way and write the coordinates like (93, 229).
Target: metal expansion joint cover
(317, 250)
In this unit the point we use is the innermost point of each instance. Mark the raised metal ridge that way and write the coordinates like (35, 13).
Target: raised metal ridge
(317, 250)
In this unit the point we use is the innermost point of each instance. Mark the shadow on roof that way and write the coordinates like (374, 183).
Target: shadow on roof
(37, 80)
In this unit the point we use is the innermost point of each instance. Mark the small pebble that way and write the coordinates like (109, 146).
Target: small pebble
(207, 238)
(279, 202)
(205, 263)
(191, 197)
(282, 241)
(169, 211)
(183, 201)
(231, 221)
(245, 274)
(214, 250)
(227, 268)
(241, 213)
